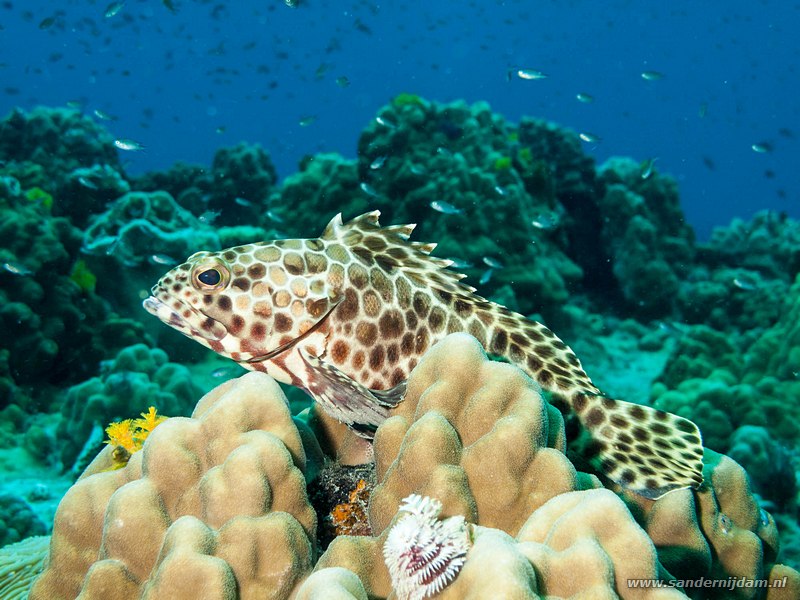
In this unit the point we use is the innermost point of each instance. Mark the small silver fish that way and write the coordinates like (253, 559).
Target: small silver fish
(87, 183)
(762, 147)
(103, 116)
(492, 262)
(458, 263)
(652, 76)
(222, 372)
(209, 216)
(113, 9)
(647, 167)
(369, 190)
(378, 162)
(273, 216)
(744, 283)
(546, 220)
(291, 3)
(445, 207)
(162, 259)
(417, 169)
(585, 98)
(589, 138)
(307, 120)
(16, 268)
(243, 202)
(129, 145)
(487, 275)
(529, 74)
(113, 245)
(385, 122)
(342, 81)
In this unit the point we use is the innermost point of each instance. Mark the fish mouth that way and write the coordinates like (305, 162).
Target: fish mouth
(158, 308)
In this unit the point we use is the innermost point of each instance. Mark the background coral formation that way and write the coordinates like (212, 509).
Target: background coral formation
(600, 252)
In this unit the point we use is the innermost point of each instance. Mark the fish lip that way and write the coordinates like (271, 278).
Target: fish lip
(158, 308)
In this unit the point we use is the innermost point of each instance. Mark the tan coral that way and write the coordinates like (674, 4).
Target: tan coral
(477, 435)
(214, 506)
(717, 532)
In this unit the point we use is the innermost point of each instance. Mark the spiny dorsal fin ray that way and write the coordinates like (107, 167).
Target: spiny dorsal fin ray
(389, 247)
(645, 450)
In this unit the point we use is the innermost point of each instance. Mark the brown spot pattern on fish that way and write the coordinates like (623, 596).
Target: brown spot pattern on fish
(360, 304)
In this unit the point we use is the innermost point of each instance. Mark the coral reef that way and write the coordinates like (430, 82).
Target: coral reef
(327, 182)
(769, 463)
(56, 328)
(723, 381)
(769, 244)
(472, 160)
(234, 191)
(220, 503)
(141, 225)
(17, 520)
(50, 143)
(139, 377)
(645, 236)
(87, 191)
(219, 508)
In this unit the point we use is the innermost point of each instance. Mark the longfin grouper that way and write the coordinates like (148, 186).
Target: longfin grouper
(348, 315)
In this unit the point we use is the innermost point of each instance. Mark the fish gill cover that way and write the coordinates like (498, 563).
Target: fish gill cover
(138, 133)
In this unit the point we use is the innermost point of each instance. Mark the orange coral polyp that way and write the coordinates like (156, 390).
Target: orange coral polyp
(350, 518)
(131, 434)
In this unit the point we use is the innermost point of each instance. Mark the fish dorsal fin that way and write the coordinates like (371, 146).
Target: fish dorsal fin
(389, 247)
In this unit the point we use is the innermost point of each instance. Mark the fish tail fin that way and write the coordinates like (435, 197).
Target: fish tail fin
(645, 450)
(648, 451)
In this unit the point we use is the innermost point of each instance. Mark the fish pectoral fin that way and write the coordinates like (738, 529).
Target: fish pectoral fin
(647, 451)
(393, 396)
(346, 400)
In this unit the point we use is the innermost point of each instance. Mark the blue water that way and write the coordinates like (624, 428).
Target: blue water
(215, 73)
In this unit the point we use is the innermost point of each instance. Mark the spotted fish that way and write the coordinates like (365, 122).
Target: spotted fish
(348, 315)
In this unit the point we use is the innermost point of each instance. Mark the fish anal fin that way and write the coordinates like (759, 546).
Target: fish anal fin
(647, 451)
(345, 399)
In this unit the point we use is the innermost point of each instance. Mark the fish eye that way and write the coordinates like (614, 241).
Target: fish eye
(210, 278)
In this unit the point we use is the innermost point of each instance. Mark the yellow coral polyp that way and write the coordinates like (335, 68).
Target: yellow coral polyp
(121, 434)
(129, 435)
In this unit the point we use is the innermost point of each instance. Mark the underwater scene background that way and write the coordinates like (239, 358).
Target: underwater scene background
(625, 174)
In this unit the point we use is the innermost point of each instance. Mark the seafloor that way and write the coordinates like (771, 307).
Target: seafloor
(600, 253)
